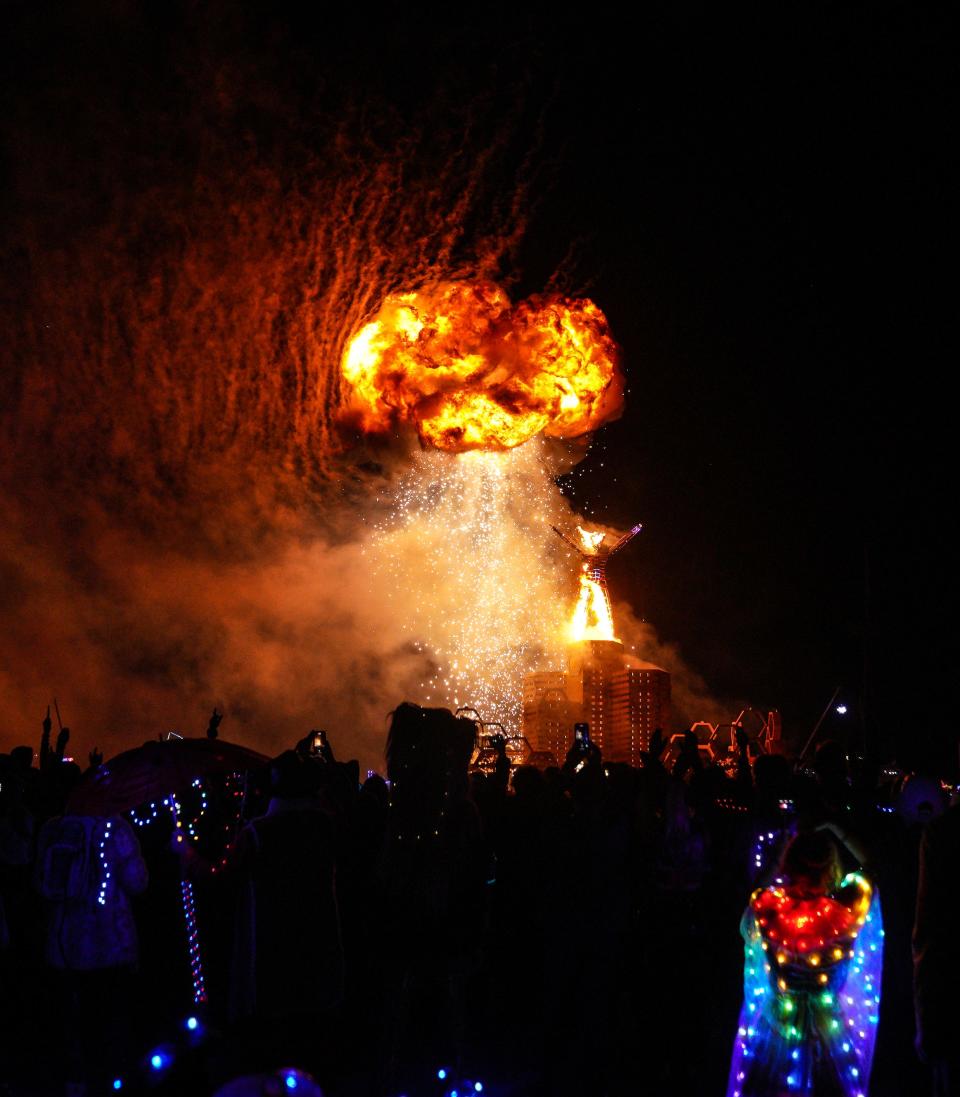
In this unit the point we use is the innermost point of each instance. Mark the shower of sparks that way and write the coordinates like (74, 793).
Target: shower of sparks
(468, 553)
(591, 539)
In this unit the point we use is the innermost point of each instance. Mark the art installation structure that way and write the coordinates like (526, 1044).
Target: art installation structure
(593, 616)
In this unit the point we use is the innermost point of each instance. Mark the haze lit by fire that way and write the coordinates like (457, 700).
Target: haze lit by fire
(187, 520)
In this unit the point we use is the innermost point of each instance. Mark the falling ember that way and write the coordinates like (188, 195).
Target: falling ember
(471, 371)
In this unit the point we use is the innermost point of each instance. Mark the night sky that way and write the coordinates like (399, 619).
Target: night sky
(757, 201)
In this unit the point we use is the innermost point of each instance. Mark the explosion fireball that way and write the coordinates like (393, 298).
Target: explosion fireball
(471, 371)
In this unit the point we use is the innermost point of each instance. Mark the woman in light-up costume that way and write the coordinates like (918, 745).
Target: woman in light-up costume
(814, 956)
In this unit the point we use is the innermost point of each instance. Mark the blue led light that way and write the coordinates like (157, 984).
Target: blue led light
(118, 1083)
(441, 1074)
(291, 1081)
(478, 1086)
(156, 1061)
(192, 1023)
(105, 865)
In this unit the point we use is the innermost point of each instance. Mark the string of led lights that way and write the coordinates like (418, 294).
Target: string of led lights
(767, 845)
(104, 864)
(188, 901)
(172, 804)
(193, 942)
(811, 990)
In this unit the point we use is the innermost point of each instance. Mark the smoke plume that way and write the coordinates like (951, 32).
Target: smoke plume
(185, 525)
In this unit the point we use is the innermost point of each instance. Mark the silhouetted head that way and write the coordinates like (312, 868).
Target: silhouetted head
(811, 862)
(527, 782)
(291, 776)
(428, 739)
(677, 811)
(921, 799)
(376, 788)
(553, 777)
(830, 762)
(622, 782)
(21, 757)
(771, 775)
(428, 752)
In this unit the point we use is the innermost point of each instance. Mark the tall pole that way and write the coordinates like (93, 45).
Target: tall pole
(816, 728)
(865, 707)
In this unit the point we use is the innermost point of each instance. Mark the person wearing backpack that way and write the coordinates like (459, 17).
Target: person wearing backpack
(86, 870)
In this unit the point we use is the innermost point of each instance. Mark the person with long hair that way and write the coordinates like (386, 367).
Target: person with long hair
(433, 876)
(813, 962)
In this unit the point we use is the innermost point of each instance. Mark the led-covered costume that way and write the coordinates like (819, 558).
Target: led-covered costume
(811, 992)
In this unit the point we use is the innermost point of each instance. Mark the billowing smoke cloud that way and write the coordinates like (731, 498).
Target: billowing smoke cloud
(691, 698)
(183, 523)
(472, 371)
(180, 514)
(144, 642)
(428, 598)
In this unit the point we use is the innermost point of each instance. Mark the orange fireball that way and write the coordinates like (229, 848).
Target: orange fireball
(471, 371)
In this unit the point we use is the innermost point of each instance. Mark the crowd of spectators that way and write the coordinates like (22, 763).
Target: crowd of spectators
(573, 930)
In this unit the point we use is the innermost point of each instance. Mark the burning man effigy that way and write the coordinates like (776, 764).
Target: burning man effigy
(811, 987)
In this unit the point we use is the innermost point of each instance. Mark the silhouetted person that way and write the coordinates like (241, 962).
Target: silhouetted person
(833, 778)
(19, 912)
(213, 727)
(87, 869)
(936, 952)
(434, 872)
(287, 977)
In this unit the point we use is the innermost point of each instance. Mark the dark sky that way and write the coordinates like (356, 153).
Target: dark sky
(770, 203)
(758, 201)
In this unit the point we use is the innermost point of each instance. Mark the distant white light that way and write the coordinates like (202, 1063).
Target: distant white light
(842, 709)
